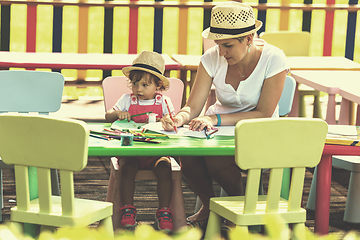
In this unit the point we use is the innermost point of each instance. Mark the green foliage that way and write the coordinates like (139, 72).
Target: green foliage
(275, 227)
(142, 232)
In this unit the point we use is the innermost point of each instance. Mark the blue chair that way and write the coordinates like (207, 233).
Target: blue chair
(28, 92)
(287, 96)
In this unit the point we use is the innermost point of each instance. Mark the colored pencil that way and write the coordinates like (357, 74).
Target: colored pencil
(140, 114)
(100, 137)
(171, 116)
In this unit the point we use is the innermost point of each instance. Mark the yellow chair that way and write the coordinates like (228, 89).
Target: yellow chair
(276, 144)
(48, 143)
(295, 44)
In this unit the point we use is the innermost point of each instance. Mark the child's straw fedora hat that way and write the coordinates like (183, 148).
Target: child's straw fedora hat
(150, 62)
(231, 20)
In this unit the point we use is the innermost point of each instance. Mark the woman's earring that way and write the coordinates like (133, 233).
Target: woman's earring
(249, 47)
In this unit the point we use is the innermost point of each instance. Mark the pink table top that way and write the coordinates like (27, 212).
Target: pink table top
(322, 63)
(103, 61)
(325, 81)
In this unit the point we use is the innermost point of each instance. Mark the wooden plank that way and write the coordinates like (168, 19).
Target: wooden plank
(31, 20)
(183, 30)
(57, 29)
(108, 35)
(206, 5)
(83, 35)
(133, 29)
(262, 16)
(284, 16)
(306, 24)
(158, 29)
(350, 32)
(5, 28)
(329, 29)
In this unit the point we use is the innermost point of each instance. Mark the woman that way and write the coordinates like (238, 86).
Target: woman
(248, 75)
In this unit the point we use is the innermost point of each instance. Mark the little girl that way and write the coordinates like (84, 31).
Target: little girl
(147, 80)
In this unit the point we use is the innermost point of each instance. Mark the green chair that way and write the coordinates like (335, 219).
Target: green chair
(29, 92)
(295, 43)
(48, 143)
(276, 144)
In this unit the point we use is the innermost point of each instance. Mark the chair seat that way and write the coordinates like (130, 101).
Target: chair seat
(82, 214)
(350, 163)
(232, 208)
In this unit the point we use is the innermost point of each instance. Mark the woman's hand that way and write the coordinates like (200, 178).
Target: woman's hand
(168, 124)
(201, 123)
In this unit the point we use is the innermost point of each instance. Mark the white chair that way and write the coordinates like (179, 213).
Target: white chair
(352, 207)
(113, 89)
(30, 91)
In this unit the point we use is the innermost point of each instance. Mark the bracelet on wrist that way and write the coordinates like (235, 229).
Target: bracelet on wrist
(218, 119)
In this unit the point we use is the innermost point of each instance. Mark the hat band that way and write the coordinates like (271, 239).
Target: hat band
(147, 67)
(234, 31)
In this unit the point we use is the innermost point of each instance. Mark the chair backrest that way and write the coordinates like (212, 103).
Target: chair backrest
(30, 91)
(276, 144)
(46, 143)
(287, 96)
(115, 87)
(292, 43)
(207, 43)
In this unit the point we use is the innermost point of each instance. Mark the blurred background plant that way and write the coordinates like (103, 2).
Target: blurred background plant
(275, 227)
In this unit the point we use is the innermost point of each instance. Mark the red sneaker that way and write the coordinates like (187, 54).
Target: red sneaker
(163, 220)
(128, 216)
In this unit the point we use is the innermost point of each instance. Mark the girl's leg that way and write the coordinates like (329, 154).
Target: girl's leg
(226, 173)
(128, 167)
(196, 173)
(162, 170)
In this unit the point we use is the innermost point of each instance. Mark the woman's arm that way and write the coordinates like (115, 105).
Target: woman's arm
(195, 103)
(269, 98)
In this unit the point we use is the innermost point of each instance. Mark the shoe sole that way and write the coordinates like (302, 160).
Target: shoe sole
(157, 227)
(130, 227)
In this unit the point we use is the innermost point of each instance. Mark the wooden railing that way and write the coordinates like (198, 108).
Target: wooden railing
(122, 26)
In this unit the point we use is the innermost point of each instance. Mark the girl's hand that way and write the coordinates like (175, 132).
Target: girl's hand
(124, 115)
(168, 124)
(201, 123)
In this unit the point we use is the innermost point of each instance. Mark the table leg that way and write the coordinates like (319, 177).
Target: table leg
(357, 120)
(323, 186)
(344, 112)
(352, 115)
(183, 77)
(330, 112)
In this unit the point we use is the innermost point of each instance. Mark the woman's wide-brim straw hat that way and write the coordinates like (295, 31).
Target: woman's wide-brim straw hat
(150, 62)
(231, 20)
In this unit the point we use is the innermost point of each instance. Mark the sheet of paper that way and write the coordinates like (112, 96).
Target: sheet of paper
(120, 125)
(184, 131)
(343, 130)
